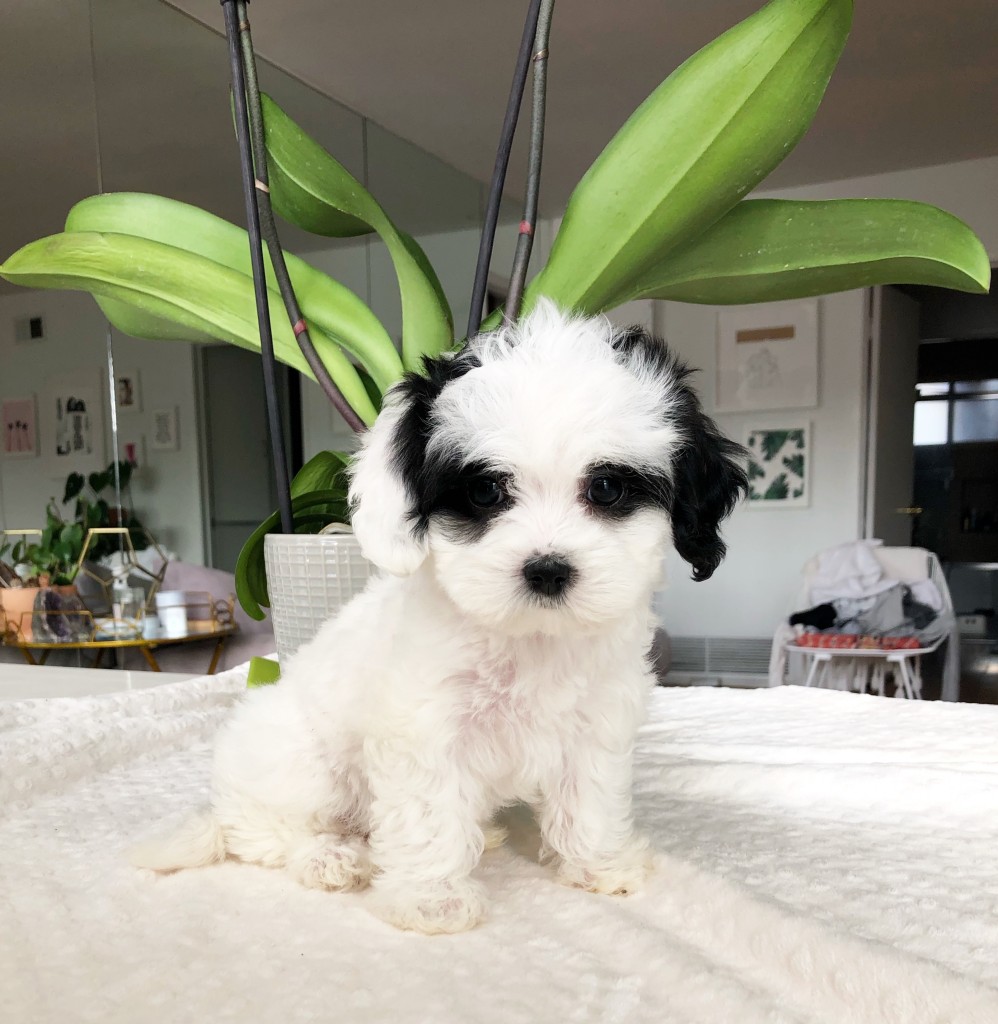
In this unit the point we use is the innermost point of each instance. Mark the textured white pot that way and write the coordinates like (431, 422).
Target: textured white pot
(310, 577)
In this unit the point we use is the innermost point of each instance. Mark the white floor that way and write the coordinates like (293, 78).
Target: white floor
(18, 682)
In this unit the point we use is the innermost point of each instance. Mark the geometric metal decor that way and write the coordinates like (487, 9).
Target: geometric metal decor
(130, 563)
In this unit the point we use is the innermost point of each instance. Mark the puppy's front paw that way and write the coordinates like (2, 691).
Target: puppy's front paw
(443, 908)
(339, 863)
(618, 876)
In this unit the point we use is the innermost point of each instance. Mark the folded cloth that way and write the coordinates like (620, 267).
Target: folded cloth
(927, 593)
(848, 570)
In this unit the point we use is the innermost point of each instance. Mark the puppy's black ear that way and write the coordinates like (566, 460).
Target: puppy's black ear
(381, 501)
(708, 473)
(388, 474)
(709, 478)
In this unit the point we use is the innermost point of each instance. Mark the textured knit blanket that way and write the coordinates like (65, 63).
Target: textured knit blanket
(825, 857)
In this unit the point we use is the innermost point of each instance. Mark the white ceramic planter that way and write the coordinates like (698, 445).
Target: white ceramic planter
(310, 577)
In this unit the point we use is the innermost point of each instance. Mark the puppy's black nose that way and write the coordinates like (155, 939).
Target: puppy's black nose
(547, 574)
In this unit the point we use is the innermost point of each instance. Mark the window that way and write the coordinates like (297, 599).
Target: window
(958, 412)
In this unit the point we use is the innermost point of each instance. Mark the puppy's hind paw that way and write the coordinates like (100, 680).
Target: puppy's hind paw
(331, 862)
(444, 908)
(618, 877)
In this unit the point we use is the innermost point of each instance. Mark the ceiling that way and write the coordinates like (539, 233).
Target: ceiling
(917, 84)
(134, 95)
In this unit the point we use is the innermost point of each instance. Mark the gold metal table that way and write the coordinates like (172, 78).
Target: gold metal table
(218, 632)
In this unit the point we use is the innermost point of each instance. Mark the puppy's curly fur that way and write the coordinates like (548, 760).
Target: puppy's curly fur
(522, 495)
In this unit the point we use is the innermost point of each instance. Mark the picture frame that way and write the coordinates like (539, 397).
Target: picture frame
(164, 436)
(767, 357)
(127, 391)
(71, 423)
(779, 467)
(19, 421)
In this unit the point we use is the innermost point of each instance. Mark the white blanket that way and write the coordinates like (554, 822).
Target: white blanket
(825, 857)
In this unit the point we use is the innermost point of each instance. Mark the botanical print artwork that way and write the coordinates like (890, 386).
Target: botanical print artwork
(17, 417)
(778, 467)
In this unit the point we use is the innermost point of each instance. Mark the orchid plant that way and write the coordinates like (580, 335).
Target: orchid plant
(660, 214)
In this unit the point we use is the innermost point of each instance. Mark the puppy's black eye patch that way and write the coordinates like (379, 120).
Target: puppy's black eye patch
(466, 499)
(613, 491)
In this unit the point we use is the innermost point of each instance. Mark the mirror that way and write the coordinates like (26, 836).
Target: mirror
(151, 100)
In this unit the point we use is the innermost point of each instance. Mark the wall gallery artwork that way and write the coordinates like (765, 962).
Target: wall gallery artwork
(20, 430)
(779, 466)
(165, 437)
(71, 424)
(767, 357)
(127, 391)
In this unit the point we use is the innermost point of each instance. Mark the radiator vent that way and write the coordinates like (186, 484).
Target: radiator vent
(721, 654)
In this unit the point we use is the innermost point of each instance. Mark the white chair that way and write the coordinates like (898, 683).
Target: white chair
(866, 670)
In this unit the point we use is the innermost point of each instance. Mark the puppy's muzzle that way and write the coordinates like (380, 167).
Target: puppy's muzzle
(548, 575)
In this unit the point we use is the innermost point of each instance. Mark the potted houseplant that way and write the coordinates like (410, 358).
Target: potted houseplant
(94, 507)
(661, 214)
(39, 573)
(40, 569)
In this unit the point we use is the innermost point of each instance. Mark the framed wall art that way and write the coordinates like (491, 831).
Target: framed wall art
(20, 428)
(127, 391)
(71, 424)
(164, 437)
(767, 357)
(779, 467)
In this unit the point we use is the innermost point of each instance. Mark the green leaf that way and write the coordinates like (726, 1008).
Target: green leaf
(262, 672)
(74, 484)
(326, 304)
(314, 191)
(314, 510)
(772, 442)
(170, 283)
(136, 323)
(768, 249)
(703, 139)
(373, 391)
(322, 472)
(124, 472)
(778, 489)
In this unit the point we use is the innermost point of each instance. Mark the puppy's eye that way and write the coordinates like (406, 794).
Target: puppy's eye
(485, 492)
(605, 490)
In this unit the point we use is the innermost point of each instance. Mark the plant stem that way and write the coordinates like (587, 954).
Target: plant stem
(259, 274)
(525, 240)
(268, 228)
(499, 170)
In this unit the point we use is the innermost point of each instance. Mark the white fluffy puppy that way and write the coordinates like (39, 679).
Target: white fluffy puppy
(523, 494)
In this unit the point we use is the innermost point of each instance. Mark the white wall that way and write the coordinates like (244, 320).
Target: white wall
(753, 588)
(166, 490)
(750, 591)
